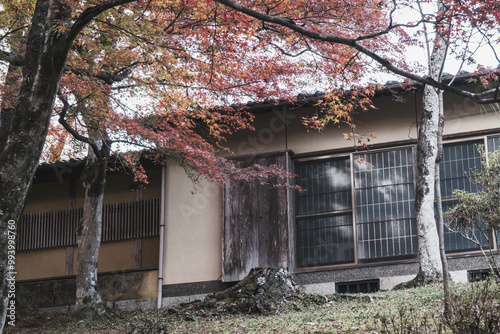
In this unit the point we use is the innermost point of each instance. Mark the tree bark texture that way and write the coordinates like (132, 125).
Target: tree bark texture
(427, 165)
(427, 149)
(439, 212)
(24, 125)
(88, 300)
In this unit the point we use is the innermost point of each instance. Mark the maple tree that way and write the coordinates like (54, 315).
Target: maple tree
(187, 57)
(97, 57)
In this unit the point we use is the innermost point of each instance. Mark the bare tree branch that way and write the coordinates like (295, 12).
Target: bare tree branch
(90, 13)
(107, 77)
(73, 132)
(490, 44)
(11, 58)
(10, 31)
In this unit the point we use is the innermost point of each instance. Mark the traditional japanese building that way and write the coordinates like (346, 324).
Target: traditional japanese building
(353, 229)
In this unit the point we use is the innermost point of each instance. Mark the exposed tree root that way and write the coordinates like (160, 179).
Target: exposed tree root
(263, 291)
(93, 312)
(419, 280)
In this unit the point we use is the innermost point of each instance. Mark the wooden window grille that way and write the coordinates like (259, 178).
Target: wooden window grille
(385, 204)
(459, 159)
(382, 210)
(121, 221)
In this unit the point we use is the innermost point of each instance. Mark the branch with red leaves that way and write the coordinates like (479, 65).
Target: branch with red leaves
(302, 29)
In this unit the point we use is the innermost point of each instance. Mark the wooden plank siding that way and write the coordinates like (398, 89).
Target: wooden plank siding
(121, 221)
(256, 223)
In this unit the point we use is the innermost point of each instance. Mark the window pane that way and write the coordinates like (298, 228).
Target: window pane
(493, 144)
(455, 242)
(324, 240)
(324, 231)
(459, 159)
(386, 220)
(327, 186)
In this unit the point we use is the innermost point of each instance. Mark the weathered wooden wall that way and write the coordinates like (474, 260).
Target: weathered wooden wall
(256, 223)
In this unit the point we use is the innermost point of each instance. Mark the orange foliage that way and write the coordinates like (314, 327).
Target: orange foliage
(152, 72)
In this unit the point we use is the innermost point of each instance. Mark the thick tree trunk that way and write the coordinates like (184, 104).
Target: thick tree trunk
(431, 269)
(89, 304)
(24, 126)
(427, 149)
(25, 122)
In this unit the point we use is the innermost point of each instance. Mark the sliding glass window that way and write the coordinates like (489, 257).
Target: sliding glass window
(493, 144)
(385, 204)
(324, 226)
(361, 208)
(459, 159)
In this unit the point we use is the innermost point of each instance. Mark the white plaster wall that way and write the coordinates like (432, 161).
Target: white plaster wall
(459, 276)
(387, 283)
(464, 116)
(322, 288)
(193, 231)
(393, 120)
(390, 122)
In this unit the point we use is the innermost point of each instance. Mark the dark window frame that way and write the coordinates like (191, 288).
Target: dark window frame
(321, 255)
(461, 244)
(496, 240)
(403, 228)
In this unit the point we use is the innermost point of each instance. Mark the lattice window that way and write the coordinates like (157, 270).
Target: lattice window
(383, 212)
(493, 144)
(385, 204)
(459, 159)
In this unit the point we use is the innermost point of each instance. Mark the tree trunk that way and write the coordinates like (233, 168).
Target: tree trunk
(263, 290)
(24, 126)
(427, 149)
(89, 304)
(431, 268)
(439, 207)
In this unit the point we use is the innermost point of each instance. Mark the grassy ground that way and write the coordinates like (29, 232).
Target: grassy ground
(321, 314)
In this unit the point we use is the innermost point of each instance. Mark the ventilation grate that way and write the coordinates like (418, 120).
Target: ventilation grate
(358, 287)
(479, 275)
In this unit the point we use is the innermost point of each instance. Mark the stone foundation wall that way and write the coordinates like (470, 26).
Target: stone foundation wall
(113, 286)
